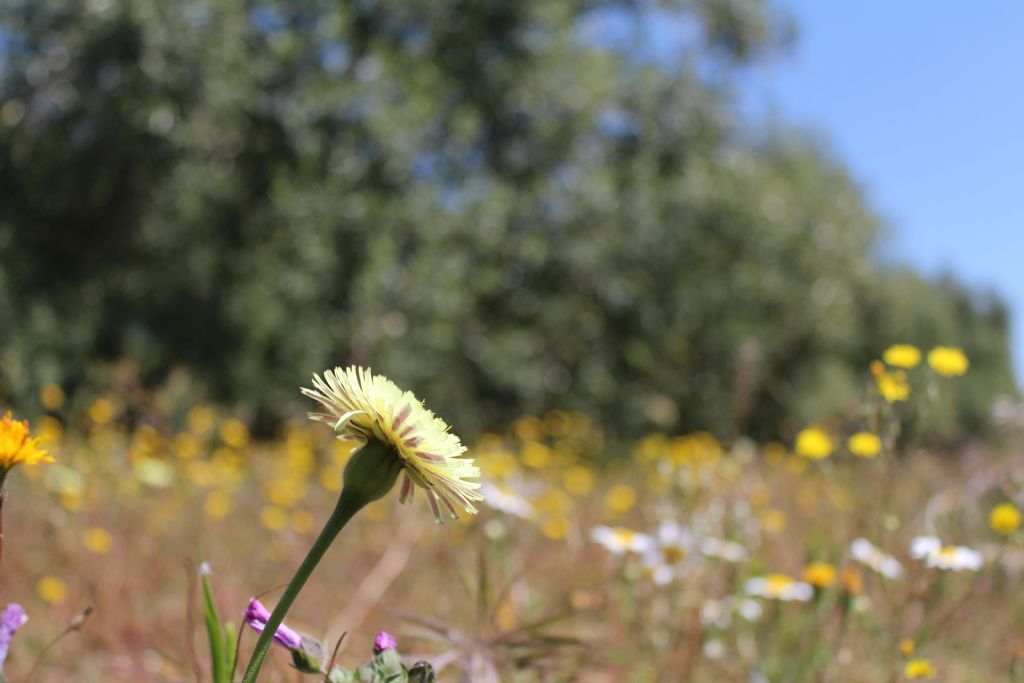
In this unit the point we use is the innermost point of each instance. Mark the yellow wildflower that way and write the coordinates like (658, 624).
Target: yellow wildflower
(918, 668)
(773, 520)
(902, 356)
(273, 518)
(17, 447)
(1005, 519)
(98, 540)
(864, 444)
(578, 480)
(217, 505)
(620, 498)
(813, 443)
(51, 589)
(948, 361)
(200, 419)
(365, 406)
(907, 647)
(536, 455)
(820, 574)
(101, 411)
(893, 386)
(234, 433)
(51, 396)
(853, 582)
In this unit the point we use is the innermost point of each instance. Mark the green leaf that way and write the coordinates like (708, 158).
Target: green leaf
(214, 631)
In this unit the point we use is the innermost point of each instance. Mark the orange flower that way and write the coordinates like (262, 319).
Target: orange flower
(16, 446)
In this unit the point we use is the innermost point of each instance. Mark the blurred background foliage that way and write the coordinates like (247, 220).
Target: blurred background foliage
(494, 203)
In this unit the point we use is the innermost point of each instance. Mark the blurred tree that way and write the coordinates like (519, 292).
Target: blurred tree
(507, 206)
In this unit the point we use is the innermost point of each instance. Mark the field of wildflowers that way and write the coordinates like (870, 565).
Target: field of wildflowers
(149, 539)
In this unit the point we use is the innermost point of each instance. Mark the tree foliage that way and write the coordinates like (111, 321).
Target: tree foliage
(489, 201)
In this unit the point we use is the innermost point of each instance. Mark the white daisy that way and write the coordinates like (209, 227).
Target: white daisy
(946, 557)
(779, 587)
(865, 552)
(618, 540)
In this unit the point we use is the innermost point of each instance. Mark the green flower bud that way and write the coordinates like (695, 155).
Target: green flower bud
(422, 672)
(371, 472)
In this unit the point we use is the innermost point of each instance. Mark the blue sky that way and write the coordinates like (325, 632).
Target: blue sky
(924, 101)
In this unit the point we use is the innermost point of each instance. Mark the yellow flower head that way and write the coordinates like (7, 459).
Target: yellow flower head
(820, 574)
(918, 668)
(813, 443)
(907, 647)
(948, 361)
(16, 446)
(893, 386)
(365, 407)
(864, 444)
(1005, 519)
(902, 356)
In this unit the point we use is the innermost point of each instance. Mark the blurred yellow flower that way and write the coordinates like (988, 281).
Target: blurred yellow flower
(918, 668)
(51, 589)
(820, 574)
(98, 540)
(51, 396)
(528, 428)
(536, 455)
(302, 521)
(273, 518)
(948, 361)
(17, 446)
(902, 356)
(217, 505)
(773, 520)
(907, 647)
(620, 498)
(555, 527)
(893, 386)
(234, 433)
(200, 419)
(1005, 519)
(864, 444)
(774, 453)
(101, 411)
(330, 478)
(853, 582)
(813, 443)
(578, 480)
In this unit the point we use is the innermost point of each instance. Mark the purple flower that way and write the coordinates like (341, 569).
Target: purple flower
(11, 619)
(384, 641)
(257, 616)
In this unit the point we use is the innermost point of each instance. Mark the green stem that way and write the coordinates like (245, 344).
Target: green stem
(348, 505)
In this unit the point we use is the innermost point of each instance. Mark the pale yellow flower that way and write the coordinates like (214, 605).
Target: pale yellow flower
(948, 361)
(365, 406)
(902, 356)
(893, 386)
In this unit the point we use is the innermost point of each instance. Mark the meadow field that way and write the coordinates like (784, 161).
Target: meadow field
(676, 557)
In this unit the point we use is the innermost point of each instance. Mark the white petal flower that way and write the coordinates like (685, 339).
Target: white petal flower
(779, 587)
(866, 553)
(618, 540)
(946, 557)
